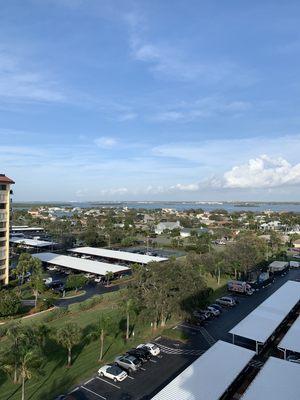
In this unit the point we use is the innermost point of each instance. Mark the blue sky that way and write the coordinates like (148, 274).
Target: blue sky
(116, 100)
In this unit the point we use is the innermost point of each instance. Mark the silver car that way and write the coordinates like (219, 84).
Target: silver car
(129, 363)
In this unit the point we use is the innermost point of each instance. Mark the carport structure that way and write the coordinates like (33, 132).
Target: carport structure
(79, 264)
(261, 323)
(277, 380)
(210, 376)
(34, 243)
(291, 340)
(117, 255)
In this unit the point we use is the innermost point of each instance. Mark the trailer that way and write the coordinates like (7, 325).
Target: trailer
(240, 287)
(279, 267)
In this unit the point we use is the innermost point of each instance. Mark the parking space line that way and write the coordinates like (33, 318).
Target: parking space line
(130, 377)
(153, 361)
(77, 388)
(96, 394)
(90, 380)
(109, 383)
(143, 369)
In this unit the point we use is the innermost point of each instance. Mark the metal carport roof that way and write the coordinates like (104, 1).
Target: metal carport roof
(210, 375)
(117, 255)
(291, 340)
(277, 380)
(31, 242)
(262, 322)
(80, 264)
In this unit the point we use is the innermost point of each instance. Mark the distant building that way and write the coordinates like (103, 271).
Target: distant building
(297, 244)
(186, 232)
(5, 183)
(163, 226)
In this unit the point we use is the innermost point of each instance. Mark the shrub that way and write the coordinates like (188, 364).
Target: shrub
(9, 303)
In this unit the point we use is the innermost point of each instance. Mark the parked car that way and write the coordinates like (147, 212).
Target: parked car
(151, 347)
(203, 313)
(142, 355)
(129, 363)
(226, 301)
(214, 311)
(217, 307)
(294, 359)
(113, 372)
(55, 284)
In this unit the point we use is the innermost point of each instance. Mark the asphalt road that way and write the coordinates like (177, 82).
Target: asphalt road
(175, 356)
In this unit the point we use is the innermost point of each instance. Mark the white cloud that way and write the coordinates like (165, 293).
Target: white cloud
(170, 61)
(19, 82)
(106, 142)
(263, 172)
(114, 191)
(205, 107)
(190, 187)
(127, 116)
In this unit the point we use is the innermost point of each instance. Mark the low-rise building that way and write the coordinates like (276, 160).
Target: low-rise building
(163, 226)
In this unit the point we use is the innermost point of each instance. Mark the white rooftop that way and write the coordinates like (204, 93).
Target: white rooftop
(291, 340)
(277, 380)
(210, 375)
(31, 242)
(80, 264)
(21, 228)
(117, 255)
(278, 264)
(262, 322)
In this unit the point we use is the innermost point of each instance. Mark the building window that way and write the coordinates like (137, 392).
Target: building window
(2, 187)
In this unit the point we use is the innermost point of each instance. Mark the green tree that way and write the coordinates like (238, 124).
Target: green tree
(68, 336)
(24, 265)
(30, 363)
(9, 303)
(75, 281)
(101, 329)
(36, 278)
(109, 276)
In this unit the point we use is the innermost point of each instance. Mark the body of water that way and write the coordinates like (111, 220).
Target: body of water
(180, 205)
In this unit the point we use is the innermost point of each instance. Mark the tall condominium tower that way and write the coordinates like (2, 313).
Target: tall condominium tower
(5, 191)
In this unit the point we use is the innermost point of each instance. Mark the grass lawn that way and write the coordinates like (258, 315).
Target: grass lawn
(55, 377)
(218, 290)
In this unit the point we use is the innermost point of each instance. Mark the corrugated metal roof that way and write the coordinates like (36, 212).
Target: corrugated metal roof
(277, 380)
(210, 375)
(262, 322)
(31, 242)
(291, 341)
(117, 255)
(80, 264)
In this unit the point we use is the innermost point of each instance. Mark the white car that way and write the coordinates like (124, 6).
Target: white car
(113, 372)
(215, 312)
(153, 348)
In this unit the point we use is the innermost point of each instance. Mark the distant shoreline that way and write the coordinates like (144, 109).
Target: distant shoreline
(229, 206)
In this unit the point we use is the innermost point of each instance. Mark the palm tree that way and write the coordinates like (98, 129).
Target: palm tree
(128, 309)
(36, 280)
(68, 337)
(100, 330)
(109, 275)
(30, 363)
(16, 335)
(23, 265)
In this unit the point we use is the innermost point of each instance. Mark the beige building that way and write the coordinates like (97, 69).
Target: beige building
(5, 184)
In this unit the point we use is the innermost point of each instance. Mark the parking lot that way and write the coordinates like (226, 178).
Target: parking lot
(142, 384)
(175, 356)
